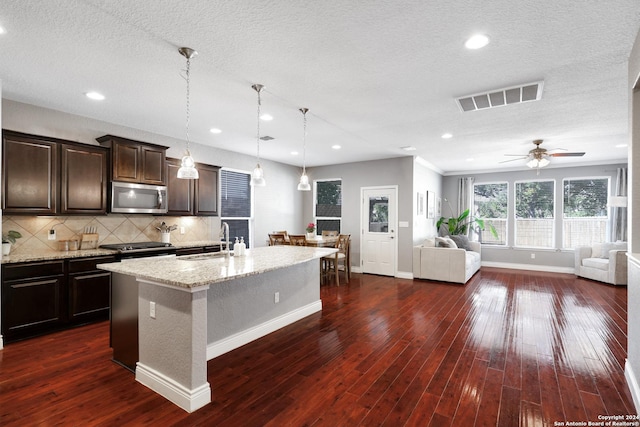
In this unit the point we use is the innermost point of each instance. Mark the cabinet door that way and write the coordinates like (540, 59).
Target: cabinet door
(206, 194)
(153, 166)
(29, 175)
(89, 296)
(83, 180)
(126, 162)
(180, 192)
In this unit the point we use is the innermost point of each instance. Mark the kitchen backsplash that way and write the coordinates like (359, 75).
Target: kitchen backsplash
(112, 228)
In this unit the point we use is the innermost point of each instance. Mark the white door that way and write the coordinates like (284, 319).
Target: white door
(379, 246)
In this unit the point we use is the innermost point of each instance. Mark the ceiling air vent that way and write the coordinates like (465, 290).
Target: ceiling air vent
(500, 97)
(266, 138)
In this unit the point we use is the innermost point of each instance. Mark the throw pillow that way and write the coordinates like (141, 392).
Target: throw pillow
(445, 242)
(429, 243)
(596, 250)
(606, 247)
(461, 241)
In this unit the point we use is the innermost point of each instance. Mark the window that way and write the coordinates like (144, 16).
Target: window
(585, 212)
(328, 205)
(534, 225)
(490, 204)
(235, 203)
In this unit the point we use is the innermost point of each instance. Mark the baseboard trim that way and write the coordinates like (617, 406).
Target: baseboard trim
(632, 383)
(512, 266)
(189, 400)
(404, 275)
(241, 338)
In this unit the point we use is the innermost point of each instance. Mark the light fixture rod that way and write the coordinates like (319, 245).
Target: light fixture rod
(304, 110)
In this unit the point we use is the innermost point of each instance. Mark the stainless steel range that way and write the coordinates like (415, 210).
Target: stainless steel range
(141, 249)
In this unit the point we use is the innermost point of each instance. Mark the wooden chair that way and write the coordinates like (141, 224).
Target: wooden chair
(297, 240)
(332, 262)
(284, 232)
(276, 239)
(329, 233)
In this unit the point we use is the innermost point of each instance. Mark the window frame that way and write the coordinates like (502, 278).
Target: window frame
(250, 220)
(506, 218)
(607, 218)
(315, 203)
(553, 219)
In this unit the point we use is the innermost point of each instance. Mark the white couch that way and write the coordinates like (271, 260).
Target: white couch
(445, 264)
(604, 262)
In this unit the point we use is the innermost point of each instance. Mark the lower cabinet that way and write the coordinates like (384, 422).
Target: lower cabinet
(41, 297)
(197, 250)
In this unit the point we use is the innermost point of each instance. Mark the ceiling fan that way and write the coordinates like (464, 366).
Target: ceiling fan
(539, 157)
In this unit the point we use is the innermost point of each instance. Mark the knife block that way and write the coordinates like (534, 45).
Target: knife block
(89, 241)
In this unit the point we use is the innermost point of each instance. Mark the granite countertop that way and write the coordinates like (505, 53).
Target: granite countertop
(203, 269)
(52, 254)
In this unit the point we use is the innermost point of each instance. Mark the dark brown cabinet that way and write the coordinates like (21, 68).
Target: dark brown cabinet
(29, 174)
(89, 289)
(206, 191)
(83, 179)
(40, 297)
(192, 196)
(32, 298)
(135, 161)
(197, 250)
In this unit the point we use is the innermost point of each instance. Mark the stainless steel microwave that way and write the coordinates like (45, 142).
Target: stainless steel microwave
(127, 197)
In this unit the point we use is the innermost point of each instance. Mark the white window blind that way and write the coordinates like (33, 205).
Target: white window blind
(328, 205)
(491, 204)
(534, 214)
(235, 203)
(585, 212)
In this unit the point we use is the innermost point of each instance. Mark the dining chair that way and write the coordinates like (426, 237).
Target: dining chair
(297, 240)
(276, 239)
(284, 232)
(329, 233)
(332, 262)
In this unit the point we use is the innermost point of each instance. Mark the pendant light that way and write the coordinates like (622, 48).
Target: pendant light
(304, 179)
(257, 177)
(187, 169)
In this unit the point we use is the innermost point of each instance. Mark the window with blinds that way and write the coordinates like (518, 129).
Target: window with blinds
(235, 203)
(328, 205)
(585, 212)
(534, 214)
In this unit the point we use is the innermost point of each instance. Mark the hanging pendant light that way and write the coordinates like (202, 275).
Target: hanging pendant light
(188, 169)
(303, 185)
(257, 177)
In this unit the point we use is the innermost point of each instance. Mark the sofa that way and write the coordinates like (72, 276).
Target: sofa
(604, 262)
(447, 264)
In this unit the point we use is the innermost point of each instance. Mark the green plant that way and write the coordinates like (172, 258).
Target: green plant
(10, 236)
(463, 223)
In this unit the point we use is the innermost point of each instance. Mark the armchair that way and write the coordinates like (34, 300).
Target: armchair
(604, 262)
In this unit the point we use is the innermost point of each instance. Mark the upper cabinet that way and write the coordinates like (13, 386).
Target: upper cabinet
(192, 196)
(83, 179)
(29, 174)
(135, 161)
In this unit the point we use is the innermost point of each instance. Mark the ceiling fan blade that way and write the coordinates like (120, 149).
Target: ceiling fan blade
(566, 154)
(515, 155)
(513, 160)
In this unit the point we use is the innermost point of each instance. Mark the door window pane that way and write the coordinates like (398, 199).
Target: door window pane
(379, 214)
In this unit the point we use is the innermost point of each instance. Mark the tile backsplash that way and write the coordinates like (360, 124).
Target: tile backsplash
(112, 228)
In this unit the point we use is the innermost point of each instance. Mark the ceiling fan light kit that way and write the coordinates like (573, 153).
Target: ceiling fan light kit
(540, 157)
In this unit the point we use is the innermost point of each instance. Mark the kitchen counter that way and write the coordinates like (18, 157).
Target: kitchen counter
(52, 254)
(192, 271)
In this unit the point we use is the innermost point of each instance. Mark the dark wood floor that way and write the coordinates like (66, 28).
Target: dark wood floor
(510, 348)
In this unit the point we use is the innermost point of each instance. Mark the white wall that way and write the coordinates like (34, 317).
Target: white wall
(545, 259)
(275, 205)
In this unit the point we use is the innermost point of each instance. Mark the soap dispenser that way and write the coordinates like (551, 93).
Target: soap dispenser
(243, 246)
(236, 247)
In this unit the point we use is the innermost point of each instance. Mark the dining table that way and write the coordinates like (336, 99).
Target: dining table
(321, 242)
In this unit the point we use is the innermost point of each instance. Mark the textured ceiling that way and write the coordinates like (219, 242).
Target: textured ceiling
(376, 75)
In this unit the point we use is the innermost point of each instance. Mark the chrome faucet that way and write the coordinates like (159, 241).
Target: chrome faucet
(224, 232)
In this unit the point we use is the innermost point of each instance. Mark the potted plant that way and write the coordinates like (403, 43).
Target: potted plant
(462, 224)
(311, 230)
(8, 239)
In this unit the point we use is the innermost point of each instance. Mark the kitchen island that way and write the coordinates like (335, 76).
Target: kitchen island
(194, 308)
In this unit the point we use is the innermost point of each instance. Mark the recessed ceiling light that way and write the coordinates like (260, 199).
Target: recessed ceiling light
(409, 148)
(446, 136)
(266, 117)
(2, 30)
(294, 153)
(621, 145)
(215, 130)
(336, 147)
(95, 96)
(476, 42)
(470, 159)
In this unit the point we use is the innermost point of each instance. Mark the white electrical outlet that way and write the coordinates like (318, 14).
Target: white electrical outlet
(533, 256)
(152, 309)
(276, 297)
(181, 230)
(52, 235)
